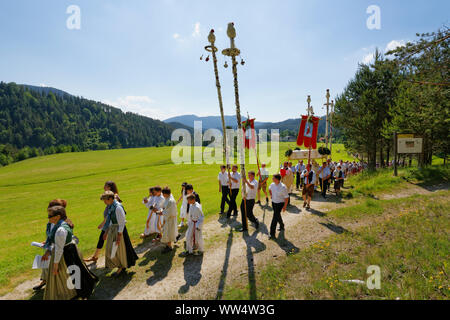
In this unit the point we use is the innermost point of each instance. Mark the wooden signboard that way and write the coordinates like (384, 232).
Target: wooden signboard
(409, 144)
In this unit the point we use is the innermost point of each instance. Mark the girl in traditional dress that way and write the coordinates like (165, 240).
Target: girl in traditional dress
(109, 186)
(119, 250)
(184, 204)
(65, 260)
(194, 237)
(44, 274)
(169, 232)
(148, 202)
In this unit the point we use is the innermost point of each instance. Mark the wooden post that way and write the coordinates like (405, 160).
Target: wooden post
(395, 154)
(212, 48)
(331, 128)
(326, 119)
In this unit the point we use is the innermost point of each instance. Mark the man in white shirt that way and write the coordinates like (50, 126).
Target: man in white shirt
(309, 178)
(235, 178)
(247, 206)
(299, 168)
(324, 178)
(280, 197)
(224, 183)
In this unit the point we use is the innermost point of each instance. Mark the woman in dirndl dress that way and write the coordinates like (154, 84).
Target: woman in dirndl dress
(119, 250)
(65, 262)
(109, 186)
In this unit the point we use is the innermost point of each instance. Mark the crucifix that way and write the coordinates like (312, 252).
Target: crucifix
(328, 104)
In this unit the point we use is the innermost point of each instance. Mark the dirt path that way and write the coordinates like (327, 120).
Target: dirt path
(228, 255)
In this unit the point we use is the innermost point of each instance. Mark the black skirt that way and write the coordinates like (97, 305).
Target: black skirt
(88, 279)
(131, 254)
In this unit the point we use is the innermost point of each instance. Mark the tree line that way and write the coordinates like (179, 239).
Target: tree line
(35, 123)
(406, 91)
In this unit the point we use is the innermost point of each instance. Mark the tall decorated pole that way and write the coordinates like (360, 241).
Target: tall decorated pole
(331, 126)
(326, 119)
(213, 49)
(233, 52)
(310, 113)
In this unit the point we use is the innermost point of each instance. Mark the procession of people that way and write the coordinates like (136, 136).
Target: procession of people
(161, 222)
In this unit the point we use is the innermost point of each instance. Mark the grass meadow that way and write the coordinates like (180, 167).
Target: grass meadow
(26, 187)
(410, 247)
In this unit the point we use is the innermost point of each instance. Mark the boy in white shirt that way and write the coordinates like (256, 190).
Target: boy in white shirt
(224, 188)
(248, 201)
(280, 197)
(235, 178)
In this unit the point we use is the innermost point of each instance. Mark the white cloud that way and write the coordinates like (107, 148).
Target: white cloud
(196, 32)
(366, 54)
(394, 44)
(142, 105)
(43, 85)
(368, 58)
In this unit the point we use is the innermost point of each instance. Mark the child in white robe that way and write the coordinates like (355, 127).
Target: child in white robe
(169, 211)
(157, 220)
(184, 204)
(194, 237)
(148, 202)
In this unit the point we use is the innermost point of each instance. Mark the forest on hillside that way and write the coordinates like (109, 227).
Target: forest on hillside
(34, 123)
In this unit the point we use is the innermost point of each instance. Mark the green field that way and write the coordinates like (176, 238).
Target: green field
(26, 188)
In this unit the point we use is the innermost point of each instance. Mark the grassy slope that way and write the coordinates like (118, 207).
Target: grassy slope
(27, 186)
(411, 249)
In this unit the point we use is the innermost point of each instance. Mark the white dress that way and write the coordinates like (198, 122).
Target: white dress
(157, 220)
(170, 230)
(194, 237)
(184, 205)
(149, 216)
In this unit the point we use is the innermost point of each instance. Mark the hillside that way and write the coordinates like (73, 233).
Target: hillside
(36, 121)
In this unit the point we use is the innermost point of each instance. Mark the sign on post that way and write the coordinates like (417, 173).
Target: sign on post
(409, 144)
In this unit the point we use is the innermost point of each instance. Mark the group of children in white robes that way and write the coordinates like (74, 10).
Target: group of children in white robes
(162, 218)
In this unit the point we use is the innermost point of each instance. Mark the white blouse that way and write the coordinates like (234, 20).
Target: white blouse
(60, 242)
(120, 216)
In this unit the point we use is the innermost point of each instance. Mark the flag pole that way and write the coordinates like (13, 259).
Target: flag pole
(213, 49)
(308, 100)
(233, 52)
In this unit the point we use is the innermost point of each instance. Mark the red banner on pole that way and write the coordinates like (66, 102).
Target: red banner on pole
(307, 134)
(248, 127)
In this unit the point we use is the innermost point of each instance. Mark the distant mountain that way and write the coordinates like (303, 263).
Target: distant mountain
(210, 122)
(177, 125)
(215, 122)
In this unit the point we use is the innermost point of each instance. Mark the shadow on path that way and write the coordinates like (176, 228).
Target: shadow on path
(223, 275)
(252, 242)
(162, 265)
(192, 266)
(285, 244)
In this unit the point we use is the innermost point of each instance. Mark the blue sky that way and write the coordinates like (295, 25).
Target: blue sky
(143, 56)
